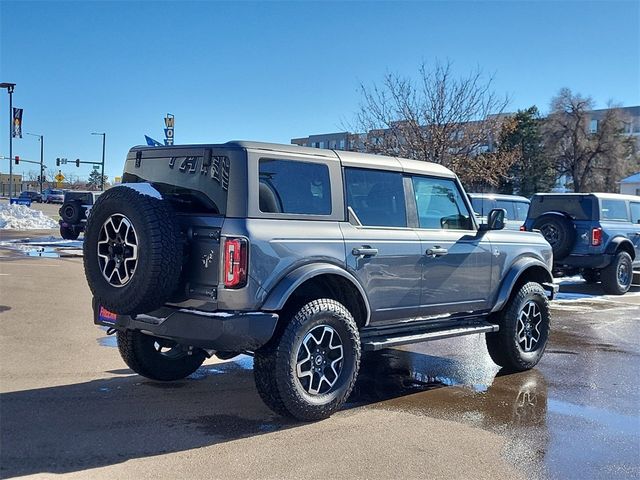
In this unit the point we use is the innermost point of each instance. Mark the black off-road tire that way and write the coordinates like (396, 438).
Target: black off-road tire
(275, 364)
(140, 355)
(160, 249)
(591, 275)
(69, 233)
(72, 212)
(611, 281)
(503, 345)
(559, 231)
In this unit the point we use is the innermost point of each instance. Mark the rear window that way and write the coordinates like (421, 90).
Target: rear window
(577, 207)
(288, 186)
(521, 210)
(614, 210)
(85, 198)
(635, 212)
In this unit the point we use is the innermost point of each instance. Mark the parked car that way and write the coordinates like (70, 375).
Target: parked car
(53, 196)
(516, 207)
(32, 196)
(303, 258)
(593, 234)
(75, 211)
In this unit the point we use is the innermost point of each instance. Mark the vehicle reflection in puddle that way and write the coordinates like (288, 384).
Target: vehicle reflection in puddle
(51, 247)
(468, 389)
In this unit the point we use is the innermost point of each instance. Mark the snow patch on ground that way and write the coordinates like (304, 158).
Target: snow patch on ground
(143, 189)
(21, 217)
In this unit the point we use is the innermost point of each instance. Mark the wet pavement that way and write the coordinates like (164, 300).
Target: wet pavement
(69, 405)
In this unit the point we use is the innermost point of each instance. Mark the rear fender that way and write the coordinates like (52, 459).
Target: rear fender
(620, 243)
(279, 295)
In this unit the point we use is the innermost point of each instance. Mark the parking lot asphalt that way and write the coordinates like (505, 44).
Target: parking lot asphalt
(69, 405)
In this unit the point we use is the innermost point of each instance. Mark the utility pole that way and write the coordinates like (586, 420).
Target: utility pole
(41, 137)
(104, 139)
(10, 87)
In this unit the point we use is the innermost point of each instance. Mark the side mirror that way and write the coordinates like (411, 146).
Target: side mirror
(495, 220)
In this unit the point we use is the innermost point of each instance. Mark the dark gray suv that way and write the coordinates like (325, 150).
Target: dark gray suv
(303, 258)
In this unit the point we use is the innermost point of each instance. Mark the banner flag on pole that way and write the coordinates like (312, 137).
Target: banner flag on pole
(151, 142)
(16, 131)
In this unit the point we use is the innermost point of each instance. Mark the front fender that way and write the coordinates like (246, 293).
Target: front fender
(517, 269)
(279, 295)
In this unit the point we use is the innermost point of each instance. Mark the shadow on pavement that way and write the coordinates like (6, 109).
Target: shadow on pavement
(76, 427)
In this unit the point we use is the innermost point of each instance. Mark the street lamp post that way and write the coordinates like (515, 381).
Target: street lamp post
(9, 87)
(41, 137)
(104, 139)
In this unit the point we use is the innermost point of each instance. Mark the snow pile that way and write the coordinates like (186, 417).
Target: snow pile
(20, 217)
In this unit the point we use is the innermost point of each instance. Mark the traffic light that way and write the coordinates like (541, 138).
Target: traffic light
(17, 160)
(57, 162)
(77, 162)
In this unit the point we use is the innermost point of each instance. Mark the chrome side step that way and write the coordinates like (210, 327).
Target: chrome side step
(378, 342)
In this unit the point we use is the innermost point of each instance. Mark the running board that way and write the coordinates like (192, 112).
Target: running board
(435, 333)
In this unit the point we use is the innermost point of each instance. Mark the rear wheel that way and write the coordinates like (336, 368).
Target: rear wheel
(617, 277)
(524, 329)
(69, 233)
(591, 275)
(157, 358)
(309, 371)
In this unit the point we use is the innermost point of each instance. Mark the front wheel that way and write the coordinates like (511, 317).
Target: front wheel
(617, 277)
(524, 329)
(157, 358)
(310, 369)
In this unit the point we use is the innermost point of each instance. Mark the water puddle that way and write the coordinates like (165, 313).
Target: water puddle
(50, 247)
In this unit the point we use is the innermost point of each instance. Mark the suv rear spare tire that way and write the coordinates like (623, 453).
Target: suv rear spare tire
(559, 231)
(72, 211)
(132, 251)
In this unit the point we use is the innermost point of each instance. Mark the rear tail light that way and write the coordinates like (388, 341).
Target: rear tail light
(523, 228)
(596, 237)
(235, 262)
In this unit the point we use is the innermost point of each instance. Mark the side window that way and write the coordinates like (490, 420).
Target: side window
(522, 209)
(440, 205)
(635, 212)
(509, 207)
(615, 210)
(288, 186)
(482, 206)
(377, 197)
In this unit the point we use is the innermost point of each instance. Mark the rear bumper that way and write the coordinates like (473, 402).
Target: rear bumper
(228, 331)
(585, 261)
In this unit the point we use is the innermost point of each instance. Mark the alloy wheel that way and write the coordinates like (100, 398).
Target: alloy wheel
(117, 250)
(319, 360)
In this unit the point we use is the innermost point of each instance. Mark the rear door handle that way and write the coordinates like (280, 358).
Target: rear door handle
(436, 252)
(364, 251)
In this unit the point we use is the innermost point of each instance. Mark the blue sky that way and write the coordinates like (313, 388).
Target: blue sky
(276, 70)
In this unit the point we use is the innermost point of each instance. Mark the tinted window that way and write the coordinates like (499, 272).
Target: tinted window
(376, 197)
(288, 186)
(509, 207)
(482, 206)
(521, 210)
(615, 210)
(85, 198)
(635, 212)
(440, 205)
(576, 206)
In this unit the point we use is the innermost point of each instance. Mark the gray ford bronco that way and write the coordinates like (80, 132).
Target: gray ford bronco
(304, 258)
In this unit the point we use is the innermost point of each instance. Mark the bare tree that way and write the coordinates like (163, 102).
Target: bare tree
(593, 156)
(439, 118)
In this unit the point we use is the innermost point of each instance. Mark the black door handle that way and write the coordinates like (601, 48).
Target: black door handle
(364, 251)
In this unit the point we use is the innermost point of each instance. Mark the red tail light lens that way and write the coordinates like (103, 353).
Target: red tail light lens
(596, 237)
(523, 228)
(235, 262)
